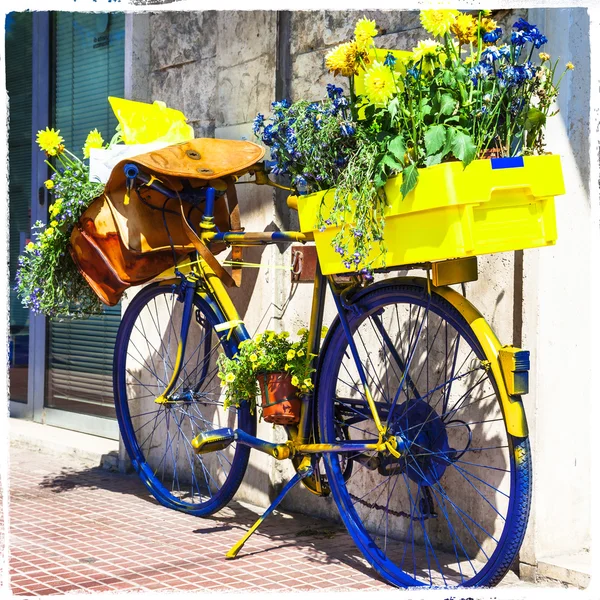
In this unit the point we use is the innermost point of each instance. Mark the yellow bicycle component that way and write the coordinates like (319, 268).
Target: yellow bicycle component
(512, 406)
(231, 325)
(515, 367)
(454, 212)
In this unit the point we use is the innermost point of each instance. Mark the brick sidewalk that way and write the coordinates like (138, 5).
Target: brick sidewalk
(76, 527)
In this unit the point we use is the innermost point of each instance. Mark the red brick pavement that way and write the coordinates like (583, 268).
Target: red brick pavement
(74, 527)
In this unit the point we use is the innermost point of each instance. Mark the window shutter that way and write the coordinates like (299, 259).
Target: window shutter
(89, 58)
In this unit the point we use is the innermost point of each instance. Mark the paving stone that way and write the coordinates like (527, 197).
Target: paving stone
(114, 508)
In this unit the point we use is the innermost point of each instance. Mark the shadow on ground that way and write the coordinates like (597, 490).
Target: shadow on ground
(324, 542)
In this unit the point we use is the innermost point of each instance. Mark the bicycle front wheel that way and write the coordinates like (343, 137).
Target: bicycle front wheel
(158, 436)
(452, 510)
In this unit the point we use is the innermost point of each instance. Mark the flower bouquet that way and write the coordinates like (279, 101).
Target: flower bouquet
(469, 92)
(47, 279)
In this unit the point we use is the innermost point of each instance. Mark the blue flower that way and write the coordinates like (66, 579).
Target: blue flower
(491, 37)
(347, 264)
(258, 122)
(519, 38)
(490, 55)
(414, 73)
(522, 25)
(333, 91)
(268, 134)
(280, 105)
(480, 71)
(390, 60)
(346, 129)
(539, 40)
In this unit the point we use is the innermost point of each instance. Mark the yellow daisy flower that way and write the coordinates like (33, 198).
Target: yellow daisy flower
(302, 331)
(465, 29)
(308, 383)
(284, 334)
(300, 353)
(295, 380)
(291, 354)
(49, 231)
(428, 52)
(93, 140)
(54, 223)
(30, 246)
(324, 331)
(570, 66)
(544, 56)
(49, 140)
(364, 33)
(343, 59)
(488, 25)
(49, 184)
(258, 338)
(438, 22)
(230, 378)
(253, 358)
(379, 84)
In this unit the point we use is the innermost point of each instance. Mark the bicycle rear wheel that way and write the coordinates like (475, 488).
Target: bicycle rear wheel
(452, 510)
(158, 436)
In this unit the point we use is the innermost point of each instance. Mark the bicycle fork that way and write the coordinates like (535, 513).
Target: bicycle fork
(188, 290)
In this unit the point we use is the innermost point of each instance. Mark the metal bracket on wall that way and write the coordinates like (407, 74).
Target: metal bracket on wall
(304, 263)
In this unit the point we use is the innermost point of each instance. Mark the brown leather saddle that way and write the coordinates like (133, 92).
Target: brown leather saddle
(128, 238)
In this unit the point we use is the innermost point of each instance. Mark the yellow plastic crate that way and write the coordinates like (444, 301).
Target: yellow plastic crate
(494, 205)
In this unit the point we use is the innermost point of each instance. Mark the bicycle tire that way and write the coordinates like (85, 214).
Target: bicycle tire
(453, 510)
(157, 436)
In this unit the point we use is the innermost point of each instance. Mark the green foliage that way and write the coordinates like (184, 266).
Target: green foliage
(267, 352)
(47, 280)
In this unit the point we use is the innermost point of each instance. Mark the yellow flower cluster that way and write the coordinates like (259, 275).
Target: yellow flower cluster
(465, 29)
(348, 57)
(379, 84)
(438, 22)
(343, 60)
(93, 140)
(50, 141)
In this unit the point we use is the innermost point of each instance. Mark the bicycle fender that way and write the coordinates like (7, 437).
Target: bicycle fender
(512, 406)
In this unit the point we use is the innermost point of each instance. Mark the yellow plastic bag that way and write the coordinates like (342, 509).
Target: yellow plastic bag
(142, 123)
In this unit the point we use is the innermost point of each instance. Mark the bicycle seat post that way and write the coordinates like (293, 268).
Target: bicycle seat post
(208, 220)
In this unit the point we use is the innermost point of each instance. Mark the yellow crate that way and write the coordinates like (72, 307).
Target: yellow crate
(494, 205)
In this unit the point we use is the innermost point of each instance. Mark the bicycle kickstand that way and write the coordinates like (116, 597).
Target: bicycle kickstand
(304, 470)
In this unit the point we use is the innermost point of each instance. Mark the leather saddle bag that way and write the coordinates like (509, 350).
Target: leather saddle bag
(128, 237)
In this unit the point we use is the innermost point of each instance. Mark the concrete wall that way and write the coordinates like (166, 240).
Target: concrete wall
(220, 69)
(557, 313)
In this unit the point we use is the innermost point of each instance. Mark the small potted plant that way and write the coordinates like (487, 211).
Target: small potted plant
(274, 366)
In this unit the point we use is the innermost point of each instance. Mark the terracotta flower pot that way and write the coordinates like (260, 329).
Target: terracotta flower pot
(280, 402)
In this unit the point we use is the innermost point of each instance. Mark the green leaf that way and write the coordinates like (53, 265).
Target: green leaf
(410, 176)
(434, 159)
(461, 73)
(393, 107)
(397, 148)
(535, 118)
(434, 138)
(447, 104)
(380, 179)
(463, 147)
(391, 162)
(448, 78)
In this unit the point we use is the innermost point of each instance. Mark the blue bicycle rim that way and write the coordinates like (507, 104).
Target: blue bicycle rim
(157, 436)
(453, 510)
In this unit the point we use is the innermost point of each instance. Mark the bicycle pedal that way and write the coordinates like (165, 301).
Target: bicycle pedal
(211, 441)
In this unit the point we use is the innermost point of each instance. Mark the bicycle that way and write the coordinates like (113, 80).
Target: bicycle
(415, 427)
